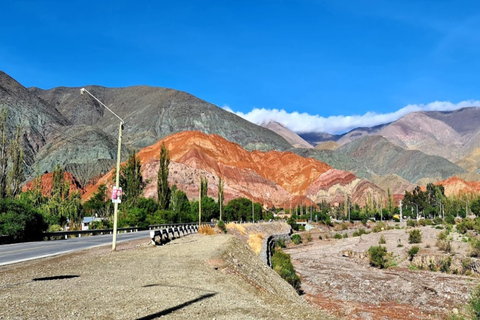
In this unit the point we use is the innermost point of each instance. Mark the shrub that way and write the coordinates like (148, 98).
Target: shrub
(425, 222)
(382, 240)
(282, 264)
(445, 264)
(438, 220)
(337, 236)
(445, 245)
(411, 223)
(308, 237)
(415, 236)
(378, 256)
(413, 251)
(296, 239)
(345, 235)
(380, 226)
(475, 247)
(320, 237)
(359, 232)
(206, 230)
(280, 243)
(221, 226)
(475, 303)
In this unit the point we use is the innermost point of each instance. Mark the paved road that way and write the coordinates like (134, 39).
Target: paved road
(18, 252)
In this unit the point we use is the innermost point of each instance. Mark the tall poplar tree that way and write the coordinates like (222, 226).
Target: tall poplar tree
(16, 172)
(131, 180)
(3, 153)
(220, 195)
(163, 190)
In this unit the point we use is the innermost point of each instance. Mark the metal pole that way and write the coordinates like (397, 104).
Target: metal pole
(117, 182)
(117, 178)
(200, 202)
(253, 215)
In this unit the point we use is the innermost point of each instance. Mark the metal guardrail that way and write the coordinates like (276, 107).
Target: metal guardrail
(79, 233)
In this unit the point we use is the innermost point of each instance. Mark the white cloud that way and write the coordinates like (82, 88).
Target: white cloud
(304, 122)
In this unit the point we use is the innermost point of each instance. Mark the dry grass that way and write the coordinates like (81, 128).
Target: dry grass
(239, 227)
(255, 242)
(206, 230)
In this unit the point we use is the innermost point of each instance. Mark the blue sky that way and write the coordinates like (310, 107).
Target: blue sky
(312, 65)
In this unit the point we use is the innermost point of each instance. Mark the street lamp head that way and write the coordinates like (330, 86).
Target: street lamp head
(82, 90)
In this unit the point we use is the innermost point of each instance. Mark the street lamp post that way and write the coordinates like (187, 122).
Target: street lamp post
(117, 176)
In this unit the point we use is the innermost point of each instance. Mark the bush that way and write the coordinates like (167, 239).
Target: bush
(415, 236)
(359, 232)
(282, 264)
(378, 256)
(320, 237)
(380, 226)
(382, 240)
(20, 221)
(413, 251)
(475, 303)
(308, 237)
(425, 222)
(411, 223)
(221, 226)
(280, 243)
(296, 239)
(337, 236)
(345, 235)
(475, 247)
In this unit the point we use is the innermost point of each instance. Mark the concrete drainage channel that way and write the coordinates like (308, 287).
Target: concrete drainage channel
(268, 245)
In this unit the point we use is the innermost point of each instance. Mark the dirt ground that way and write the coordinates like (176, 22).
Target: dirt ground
(336, 276)
(193, 277)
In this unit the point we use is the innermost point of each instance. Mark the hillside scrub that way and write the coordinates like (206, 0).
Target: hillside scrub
(282, 264)
(378, 256)
(415, 236)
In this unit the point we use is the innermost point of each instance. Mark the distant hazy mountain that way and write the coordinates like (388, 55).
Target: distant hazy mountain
(294, 139)
(449, 134)
(384, 158)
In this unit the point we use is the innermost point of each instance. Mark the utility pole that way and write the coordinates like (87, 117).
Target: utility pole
(253, 214)
(200, 202)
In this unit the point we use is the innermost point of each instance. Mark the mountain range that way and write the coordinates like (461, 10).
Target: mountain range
(61, 126)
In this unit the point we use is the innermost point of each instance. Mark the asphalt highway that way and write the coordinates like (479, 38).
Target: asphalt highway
(18, 252)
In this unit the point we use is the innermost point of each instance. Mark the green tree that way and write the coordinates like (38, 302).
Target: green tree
(209, 209)
(131, 180)
(204, 186)
(16, 172)
(220, 195)
(163, 189)
(98, 203)
(239, 209)
(3, 153)
(19, 220)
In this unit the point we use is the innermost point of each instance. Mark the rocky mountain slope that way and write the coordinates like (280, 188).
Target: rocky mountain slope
(152, 113)
(273, 178)
(64, 127)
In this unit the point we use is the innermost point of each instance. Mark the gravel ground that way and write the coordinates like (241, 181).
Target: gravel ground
(337, 279)
(193, 277)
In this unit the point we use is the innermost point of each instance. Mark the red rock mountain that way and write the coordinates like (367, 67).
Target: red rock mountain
(274, 178)
(47, 183)
(456, 186)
